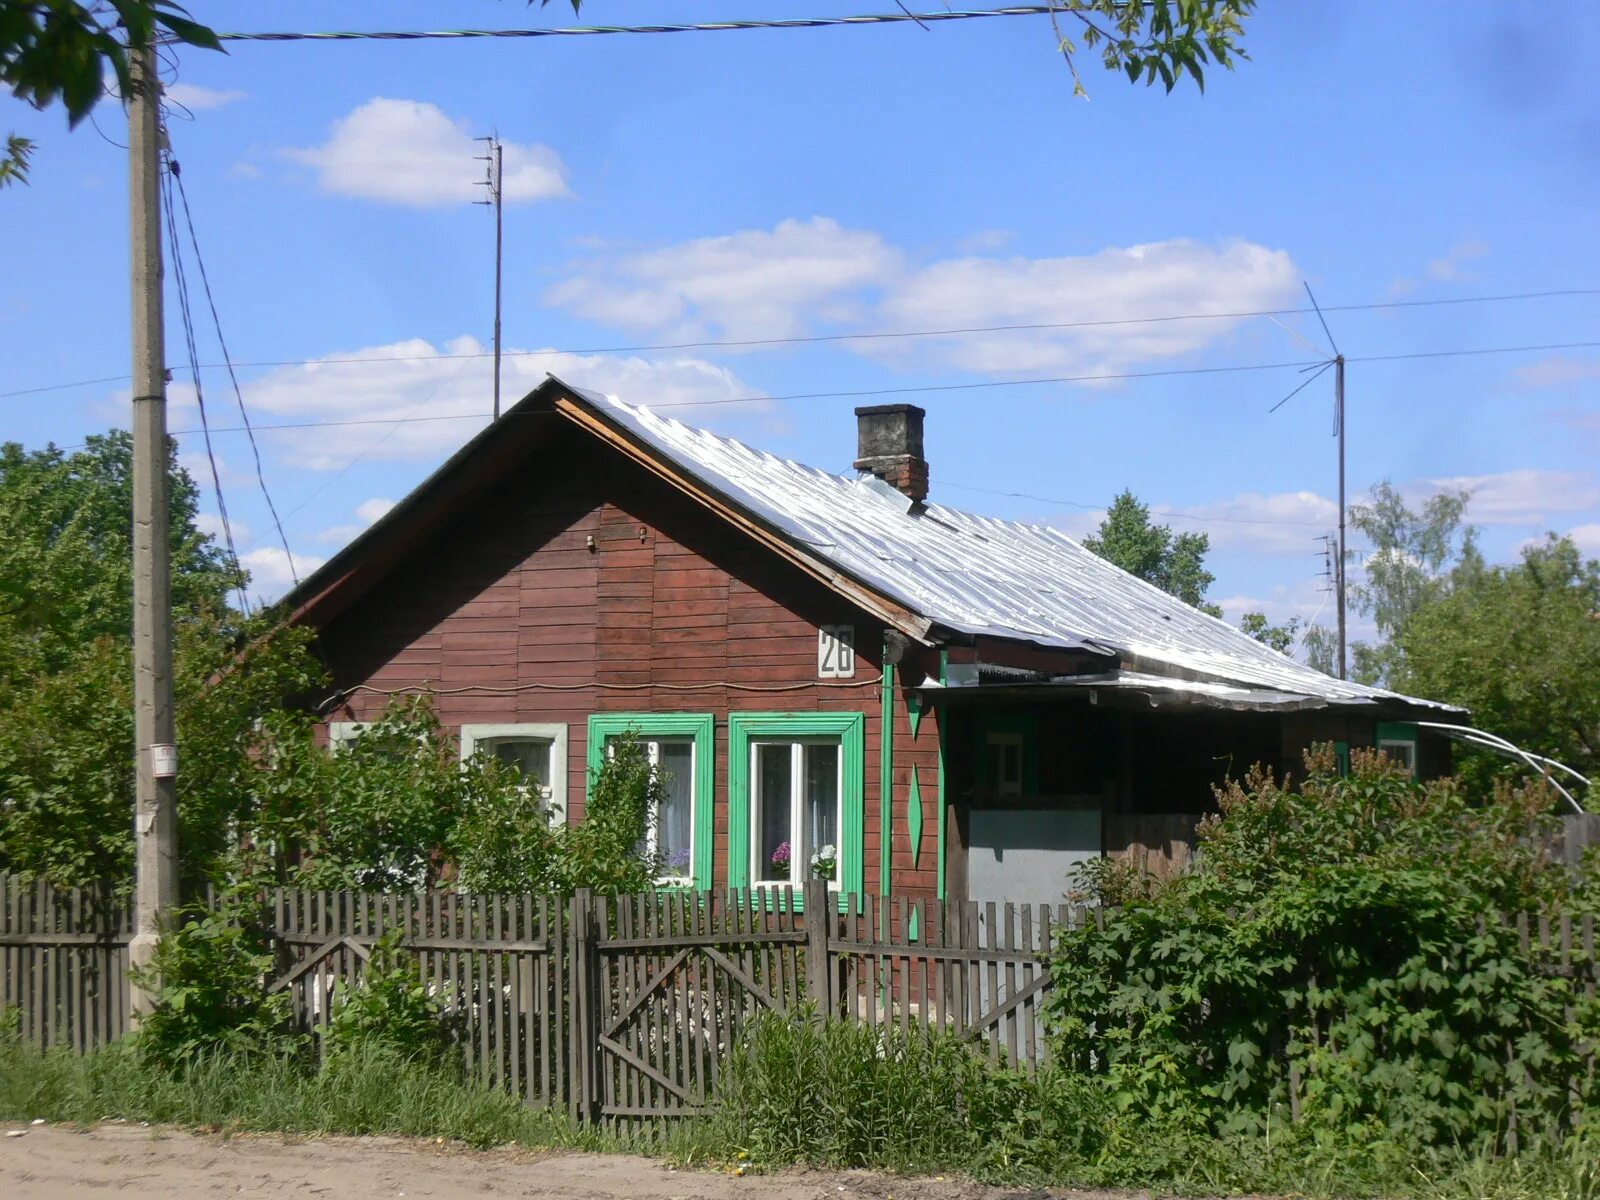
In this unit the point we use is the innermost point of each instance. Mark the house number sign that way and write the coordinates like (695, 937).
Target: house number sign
(836, 652)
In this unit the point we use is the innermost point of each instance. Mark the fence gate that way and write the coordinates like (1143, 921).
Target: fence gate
(676, 975)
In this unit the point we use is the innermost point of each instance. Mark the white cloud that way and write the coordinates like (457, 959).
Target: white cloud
(410, 152)
(1556, 370)
(370, 510)
(1524, 497)
(211, 523)
(1449, 268)
(197, 99)
(1281, 524)
(245, 170)
(408, 403)
(753, 284)
(816, 275)
(1587, 538)
(1118, 283)
(270, 574)
(367, 512)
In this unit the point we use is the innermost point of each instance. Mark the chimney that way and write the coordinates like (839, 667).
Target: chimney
(889, 445)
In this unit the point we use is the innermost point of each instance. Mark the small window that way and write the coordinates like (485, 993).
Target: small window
(796, 801)
(1005, 764)
(538, 753)
(1404, 753)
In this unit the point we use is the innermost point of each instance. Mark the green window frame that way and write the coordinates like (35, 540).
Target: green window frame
(1391, 735)
(698, 727)
(851, 730)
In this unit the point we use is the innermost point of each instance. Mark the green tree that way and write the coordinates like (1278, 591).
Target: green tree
(61, 50)
(1280, 637)
(66, 551)
(1175, 563)
(1519, 646)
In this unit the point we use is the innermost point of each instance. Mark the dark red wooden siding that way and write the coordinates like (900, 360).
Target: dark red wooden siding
(511, 616)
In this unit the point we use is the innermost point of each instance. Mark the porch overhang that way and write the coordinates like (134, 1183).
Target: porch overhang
(1140, 691)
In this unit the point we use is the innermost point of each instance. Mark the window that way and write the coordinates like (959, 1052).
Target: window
(1005, 764)
(1404, 753)
(681, 749)
(342, 733)
(795, 778)
(537, 752)
(1398, 740)
(795, 796)
(1007, 752)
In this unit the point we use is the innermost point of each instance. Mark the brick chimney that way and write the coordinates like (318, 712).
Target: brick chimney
(889, 445)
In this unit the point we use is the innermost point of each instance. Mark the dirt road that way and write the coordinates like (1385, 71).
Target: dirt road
(54, 1163)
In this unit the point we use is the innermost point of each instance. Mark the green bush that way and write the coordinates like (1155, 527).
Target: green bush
(1347, 937)
(210, 978)
(391, 1009)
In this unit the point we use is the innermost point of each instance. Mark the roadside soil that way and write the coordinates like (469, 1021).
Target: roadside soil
(56, 1162)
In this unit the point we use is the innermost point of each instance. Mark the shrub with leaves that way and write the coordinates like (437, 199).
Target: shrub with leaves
(391, 1008)
(1345, 938)
(211, 973)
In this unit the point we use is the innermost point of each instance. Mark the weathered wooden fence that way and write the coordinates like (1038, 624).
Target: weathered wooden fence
(64, 957)
(616, 1008)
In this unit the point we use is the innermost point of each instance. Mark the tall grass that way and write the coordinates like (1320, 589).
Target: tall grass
(370, 1089)
(842, 1094)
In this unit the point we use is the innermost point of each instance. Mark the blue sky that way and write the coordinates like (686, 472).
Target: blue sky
(715, 187)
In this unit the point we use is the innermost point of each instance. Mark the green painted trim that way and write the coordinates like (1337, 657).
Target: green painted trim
(914, 818)
(1027, 725)
(1341, 757)
(914, 926)
(1394, 731)
(944, 744)
(914, 713)
(851, 730)
(702, 727)
(886, 777)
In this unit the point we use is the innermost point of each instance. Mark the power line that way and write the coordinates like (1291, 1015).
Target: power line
(902, 17)
(746, 343)
(180, 277)
(238, 394)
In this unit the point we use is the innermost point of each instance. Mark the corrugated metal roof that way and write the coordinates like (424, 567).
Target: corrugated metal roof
(974, 574)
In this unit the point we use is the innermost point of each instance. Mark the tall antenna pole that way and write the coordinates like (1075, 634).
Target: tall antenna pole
(155, 791)
(496, 160)
(1338, 418)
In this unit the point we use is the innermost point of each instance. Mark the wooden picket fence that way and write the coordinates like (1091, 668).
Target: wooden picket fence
(620, 1009)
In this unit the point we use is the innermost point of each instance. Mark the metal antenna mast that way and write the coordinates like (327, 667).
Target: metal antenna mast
(493, 177)
(1336, 361)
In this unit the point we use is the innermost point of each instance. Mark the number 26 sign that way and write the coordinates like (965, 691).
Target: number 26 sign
(836, 652)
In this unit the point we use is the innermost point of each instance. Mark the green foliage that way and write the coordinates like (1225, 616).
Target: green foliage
(392, 1009)
(1158, 39)
(14, 161)
(1519, 645)
(606, 850)
(210, 978)
(1175, 563)
(61, 50)
(1281, 638)
(1346, 934)
(1417, 557)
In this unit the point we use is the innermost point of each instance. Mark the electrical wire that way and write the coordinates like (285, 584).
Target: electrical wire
(902, 17)
(238, 395)
(512, 689)
(180, 278)
(812, 339)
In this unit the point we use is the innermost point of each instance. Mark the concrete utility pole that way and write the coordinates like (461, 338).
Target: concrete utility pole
(496, 160)
(155, 801)
(1338, 579)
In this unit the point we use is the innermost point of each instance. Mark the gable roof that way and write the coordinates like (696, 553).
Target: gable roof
(957, 571)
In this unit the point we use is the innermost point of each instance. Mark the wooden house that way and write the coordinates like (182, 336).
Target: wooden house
(964, 707)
